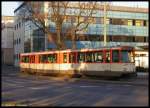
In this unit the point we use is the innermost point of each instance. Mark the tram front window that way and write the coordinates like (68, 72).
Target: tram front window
(127, 56)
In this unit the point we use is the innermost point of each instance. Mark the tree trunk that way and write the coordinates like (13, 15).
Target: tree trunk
(73, 39)
(60, 39)
(58, 27)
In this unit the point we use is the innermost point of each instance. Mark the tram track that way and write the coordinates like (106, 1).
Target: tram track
(134, 81)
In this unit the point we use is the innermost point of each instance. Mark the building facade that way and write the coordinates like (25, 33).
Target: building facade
(19, 34)
(7, 40)
(125, 26)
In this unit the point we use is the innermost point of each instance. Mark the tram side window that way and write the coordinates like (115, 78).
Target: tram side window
(115, 55)
(22, 59)
(81, 57)
(107, 56)
(65, 58)
(25, 59)
(132, 58)
(89, 57)
(32, 59)
(43, 59)
(72, 58)
(55, 58)
(99, 57)
(127, 56)
(52, 58)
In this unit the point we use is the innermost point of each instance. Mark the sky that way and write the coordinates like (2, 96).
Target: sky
(9, 7)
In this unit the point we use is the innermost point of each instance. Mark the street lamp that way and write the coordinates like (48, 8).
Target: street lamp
(105, 17)
(31, 43)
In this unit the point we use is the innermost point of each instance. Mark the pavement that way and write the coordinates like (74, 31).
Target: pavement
(144, 74)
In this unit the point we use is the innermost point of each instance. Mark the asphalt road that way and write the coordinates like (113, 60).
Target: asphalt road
(28, 90)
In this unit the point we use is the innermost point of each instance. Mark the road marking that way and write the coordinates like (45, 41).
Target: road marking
(37, 88)
(89, 86)
(12, 104)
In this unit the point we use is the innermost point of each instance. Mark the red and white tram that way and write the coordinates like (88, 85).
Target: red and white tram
(114, 61)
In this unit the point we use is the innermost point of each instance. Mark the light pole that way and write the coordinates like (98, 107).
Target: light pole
(46, 9)
(105, 17)
(31, 42)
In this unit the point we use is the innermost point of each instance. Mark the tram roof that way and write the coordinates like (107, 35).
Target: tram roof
(74, 50)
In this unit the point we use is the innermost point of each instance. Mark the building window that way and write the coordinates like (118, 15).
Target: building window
(19, 24)
(16, 57)
(98, 20)
(117, 38)
(145, 39)
(111, 20)
(130, 23)
(14, 42)
(22, 22)
(133, 22)
(19, 40)
(118, 21)
(139, 39)
(73, 19)
(107, 21)
(110, 38)
(139, 22)
(133, 39)
(81, 19)
(146, 23)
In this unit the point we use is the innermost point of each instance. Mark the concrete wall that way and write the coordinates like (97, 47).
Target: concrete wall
(7, 43)
(7, 56)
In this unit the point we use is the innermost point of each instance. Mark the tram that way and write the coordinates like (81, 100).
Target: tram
(112, 61)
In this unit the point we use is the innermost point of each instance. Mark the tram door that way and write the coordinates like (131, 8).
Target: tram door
(107, 61)
(115, 65)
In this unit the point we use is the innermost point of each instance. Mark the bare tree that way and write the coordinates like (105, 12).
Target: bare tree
(83, 19)
(57, 12)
